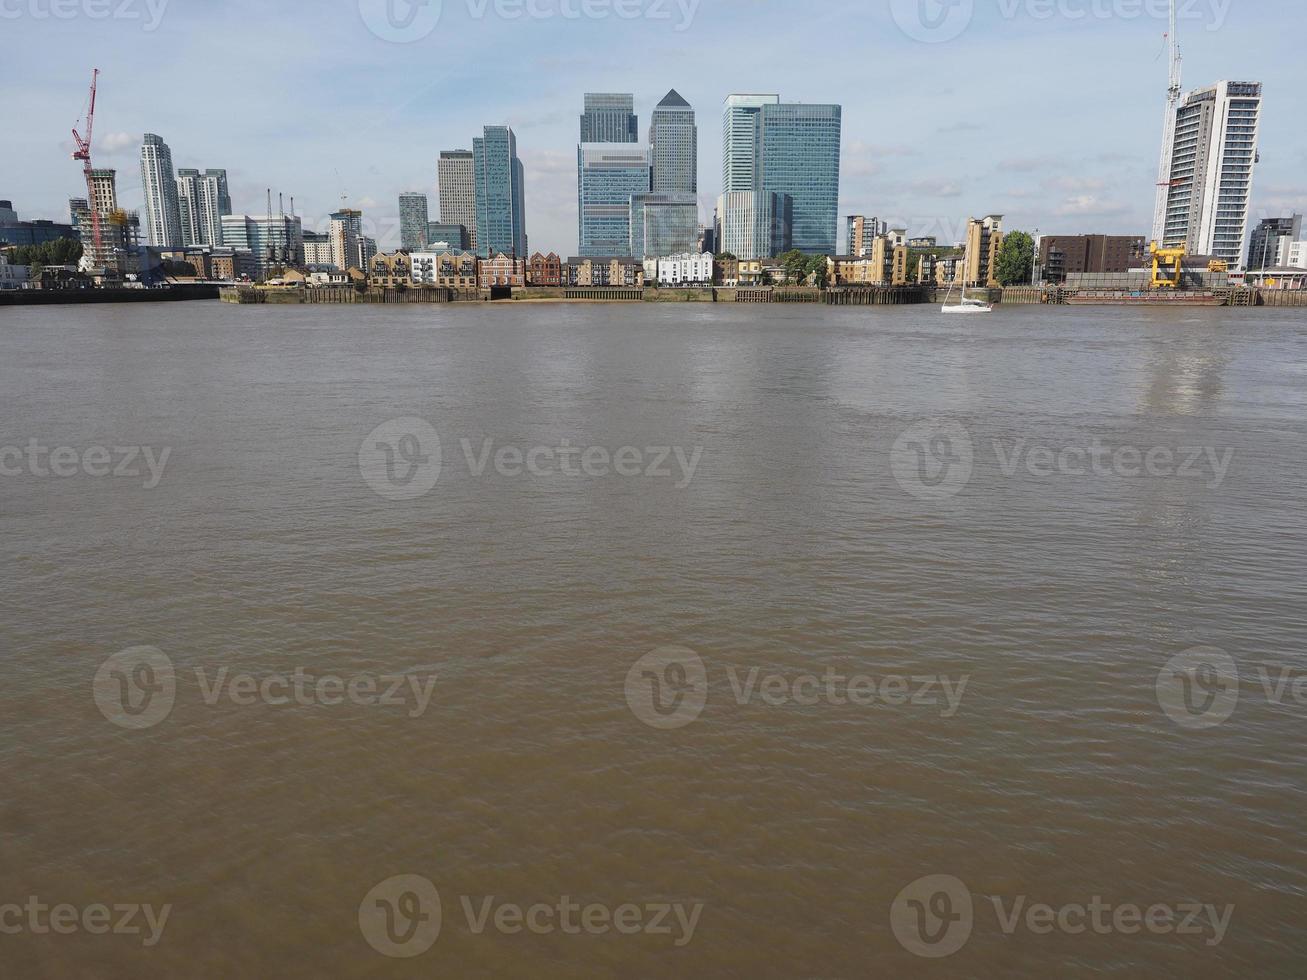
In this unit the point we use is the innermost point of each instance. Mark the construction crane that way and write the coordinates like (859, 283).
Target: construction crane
(1168, 129)
(1173, 258)
(83, 153)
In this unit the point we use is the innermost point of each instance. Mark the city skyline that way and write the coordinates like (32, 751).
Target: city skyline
(927, 167)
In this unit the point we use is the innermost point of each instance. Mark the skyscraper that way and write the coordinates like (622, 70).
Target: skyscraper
(664, 224)
(741, 122)
(346, 233)
(458, 196)
(500, 193)
(609, 117)
(202, 201)
(674, 146)
(785, 149)
(608, 176)
(159, 184)
(754, 224)
(412, 220)
(1206, 184)
(800, 156)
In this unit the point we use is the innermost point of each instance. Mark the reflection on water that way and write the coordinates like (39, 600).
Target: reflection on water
(861, 684)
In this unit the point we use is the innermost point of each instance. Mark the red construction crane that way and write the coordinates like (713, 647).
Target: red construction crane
(83, 153)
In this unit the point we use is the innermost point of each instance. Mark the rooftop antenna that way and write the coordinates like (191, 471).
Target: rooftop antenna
(1168, 130)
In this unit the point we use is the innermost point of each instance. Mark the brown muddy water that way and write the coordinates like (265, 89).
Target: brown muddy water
(585, 641)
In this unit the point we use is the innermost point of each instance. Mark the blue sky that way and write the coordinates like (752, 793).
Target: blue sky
(1048, 111)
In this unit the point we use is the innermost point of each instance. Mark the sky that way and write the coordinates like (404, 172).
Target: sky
(1046, 111)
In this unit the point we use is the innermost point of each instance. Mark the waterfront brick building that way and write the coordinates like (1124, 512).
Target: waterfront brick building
(501, 269)
(1064, 255)
(546, 270)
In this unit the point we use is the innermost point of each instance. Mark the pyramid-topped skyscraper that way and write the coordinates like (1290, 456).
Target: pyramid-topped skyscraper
(674, 146)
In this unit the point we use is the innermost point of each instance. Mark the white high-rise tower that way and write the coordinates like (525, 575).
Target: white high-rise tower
(159, 183)
(1209, 154)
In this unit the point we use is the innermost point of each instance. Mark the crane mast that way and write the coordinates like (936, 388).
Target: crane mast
(83, 153)
(1168, 131)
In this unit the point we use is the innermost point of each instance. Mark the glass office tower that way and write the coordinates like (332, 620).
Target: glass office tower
(608, 176)
(500, 196)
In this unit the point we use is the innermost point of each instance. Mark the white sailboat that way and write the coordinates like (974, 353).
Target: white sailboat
(964, 305)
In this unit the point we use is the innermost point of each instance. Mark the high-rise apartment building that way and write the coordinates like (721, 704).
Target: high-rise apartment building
(159, 184)
(608, 176)
(1207, 171)
(754, 224)
(609, 117)
(861, 231)
(120, 231)
(984, 239)
(785, 149)
(458, 195)
(500, 194)
(202, 201)
(412, 220)
(317, 248)
(674, 146)
(346, 232)
(741, 124)
(1272, 241)
(664, 224)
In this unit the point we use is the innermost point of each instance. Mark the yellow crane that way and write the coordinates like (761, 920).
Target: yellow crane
(1173, 260)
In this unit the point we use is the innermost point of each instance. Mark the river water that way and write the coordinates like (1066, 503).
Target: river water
(675, 641)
